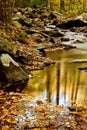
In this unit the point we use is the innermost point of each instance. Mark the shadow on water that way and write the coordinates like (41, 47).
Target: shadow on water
(63, 82)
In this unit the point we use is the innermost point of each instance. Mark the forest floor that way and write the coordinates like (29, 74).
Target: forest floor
(22, 112)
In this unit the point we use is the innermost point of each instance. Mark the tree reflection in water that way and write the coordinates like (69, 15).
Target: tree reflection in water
(61, 83)
(58, 84)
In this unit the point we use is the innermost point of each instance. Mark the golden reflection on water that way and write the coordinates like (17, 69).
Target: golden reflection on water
(62, 82)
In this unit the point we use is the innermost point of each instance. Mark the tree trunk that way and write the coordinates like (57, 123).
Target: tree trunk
(84, 5)
(6, 10)
(62, 5)
(48, 4)
(70, 4)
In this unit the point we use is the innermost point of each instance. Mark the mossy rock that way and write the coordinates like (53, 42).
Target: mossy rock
(7, 47)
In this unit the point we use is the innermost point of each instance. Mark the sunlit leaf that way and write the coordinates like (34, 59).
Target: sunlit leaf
(27, 120)
(21, 111)
(36, 129)
(59, 108)
(11, 120)
(78, 113)
(15, 101)
(41, 109)
(1, 92)
(36, 123)
(5, 127)
(44, 129)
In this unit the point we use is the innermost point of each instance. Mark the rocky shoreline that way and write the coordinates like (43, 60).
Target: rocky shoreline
(24, 43)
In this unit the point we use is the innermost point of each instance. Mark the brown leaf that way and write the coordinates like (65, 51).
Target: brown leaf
(3, 115)
(59, 108)
(39, 102)
(1, 92)
(41, 109)
(15, 101)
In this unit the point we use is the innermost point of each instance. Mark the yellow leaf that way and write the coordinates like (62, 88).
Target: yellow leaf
(2, 92)
(36, 129)
(5, 127)
(27, 120)
(11, 120)
(21, 111)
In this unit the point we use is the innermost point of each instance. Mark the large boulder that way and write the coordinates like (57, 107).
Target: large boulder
(12, 76)
(72, 23)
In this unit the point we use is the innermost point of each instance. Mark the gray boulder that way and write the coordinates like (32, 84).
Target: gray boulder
(12, 76)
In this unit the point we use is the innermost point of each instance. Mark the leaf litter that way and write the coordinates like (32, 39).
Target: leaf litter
(23, 112)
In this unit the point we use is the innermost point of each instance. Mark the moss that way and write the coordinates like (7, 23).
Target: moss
(22, 37)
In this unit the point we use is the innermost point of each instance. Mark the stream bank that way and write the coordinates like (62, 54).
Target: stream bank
(32, 32)
(24, 50)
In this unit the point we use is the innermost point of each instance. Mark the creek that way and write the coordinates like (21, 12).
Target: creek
(66, 80)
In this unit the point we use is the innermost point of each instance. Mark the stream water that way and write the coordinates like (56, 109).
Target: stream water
(65, 81)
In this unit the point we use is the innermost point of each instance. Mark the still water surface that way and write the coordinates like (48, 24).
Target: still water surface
(63, 82)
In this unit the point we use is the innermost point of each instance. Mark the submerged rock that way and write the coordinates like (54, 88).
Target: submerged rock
(79, 61)
(83, 69)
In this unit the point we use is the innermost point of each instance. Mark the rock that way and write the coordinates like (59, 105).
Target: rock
(55, 22)
(72, 23)
(82, 17)
(79, 61)
(52, 16)
(5, 60)
(65, 39)
(41, 48)
(83, 69)
(12, 76)
(17, 16)
(67, 47)
(7, 47)
(24, 58)
(24, 22)
(53, 33)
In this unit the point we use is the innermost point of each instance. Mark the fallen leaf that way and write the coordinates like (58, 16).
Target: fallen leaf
(5, 127)
(59, 108)
(41, 109)
(27, 120)
(36, 129)
(2, 92)
(15, 101)
(39, 102)
(11, 120)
